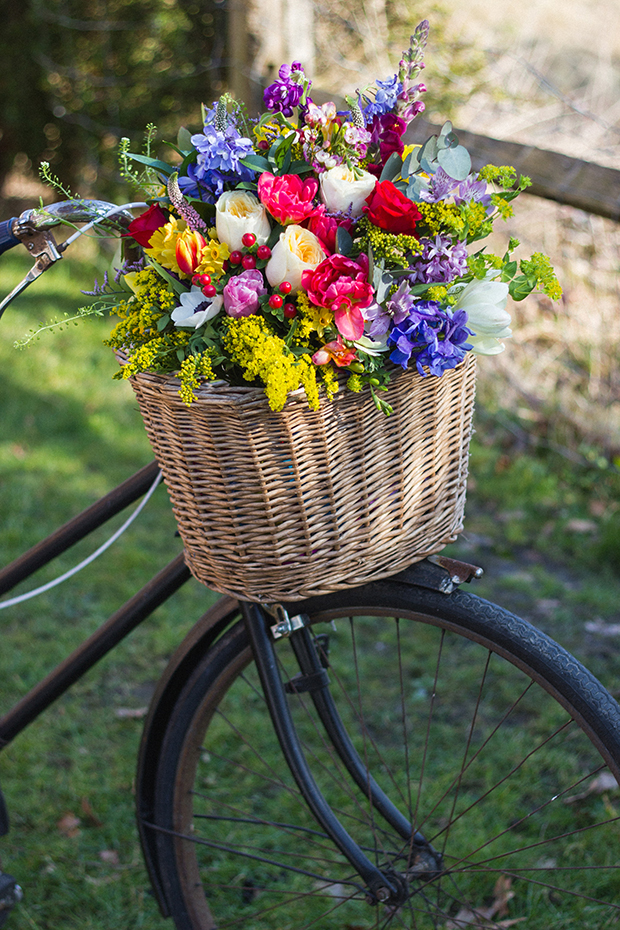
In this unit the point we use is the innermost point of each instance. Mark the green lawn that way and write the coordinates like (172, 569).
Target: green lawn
(546, 529)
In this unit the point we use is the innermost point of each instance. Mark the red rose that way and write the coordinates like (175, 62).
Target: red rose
(391, 210)
(143, 227)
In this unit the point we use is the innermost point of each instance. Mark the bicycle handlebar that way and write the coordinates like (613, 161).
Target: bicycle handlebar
(33, 229)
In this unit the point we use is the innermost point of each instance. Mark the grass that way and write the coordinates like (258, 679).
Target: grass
(546, 528)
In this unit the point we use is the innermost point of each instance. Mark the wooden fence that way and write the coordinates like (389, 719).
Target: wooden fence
(567, 180)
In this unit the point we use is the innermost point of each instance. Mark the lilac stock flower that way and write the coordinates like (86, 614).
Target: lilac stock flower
(385, 98)
(435, 338)
(285, 93)
(440, 262)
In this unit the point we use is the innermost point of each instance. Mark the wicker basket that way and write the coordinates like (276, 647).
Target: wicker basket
(281, 506)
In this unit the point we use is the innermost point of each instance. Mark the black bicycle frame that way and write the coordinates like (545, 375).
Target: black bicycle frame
(110, 633)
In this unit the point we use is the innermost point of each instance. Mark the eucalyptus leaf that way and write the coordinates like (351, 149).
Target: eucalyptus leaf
(429, 149)
(386, 282)
(451, 141)
(446, 129)
(455, 162)
(344, 242)
(429, 166)
(392, 167)
(415, 188)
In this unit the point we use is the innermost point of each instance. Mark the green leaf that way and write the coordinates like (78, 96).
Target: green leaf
(155, 163)
(509, 270)
(299, 167)
(256, 163)
(344, 242)
(392, 167)
(520, 287)
(275, 235)
(177, 287)
(184, 139)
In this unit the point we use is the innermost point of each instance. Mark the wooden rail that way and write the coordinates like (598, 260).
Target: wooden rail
(567, 180)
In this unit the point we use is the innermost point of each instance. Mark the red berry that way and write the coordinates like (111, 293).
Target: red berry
(286, 287)
(290, 311)
(209, 290)
(235, 258)
(225, 265)
(263, 252)
(275, 301)
(248, 262)
(201, 280)
(248, 240)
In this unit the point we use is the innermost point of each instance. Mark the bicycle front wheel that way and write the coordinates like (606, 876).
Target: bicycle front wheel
(488, 738)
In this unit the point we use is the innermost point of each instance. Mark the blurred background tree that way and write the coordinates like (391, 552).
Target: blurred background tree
(76, 75)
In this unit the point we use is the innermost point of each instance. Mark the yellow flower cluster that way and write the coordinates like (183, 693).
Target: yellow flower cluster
(311, 319)
(469, 220)
(139, 314)
(193, 368)
(330, 381)
(155, 354)
(396, 249)
(266, 357)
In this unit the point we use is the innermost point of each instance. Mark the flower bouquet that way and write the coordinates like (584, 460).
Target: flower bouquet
(310, 259)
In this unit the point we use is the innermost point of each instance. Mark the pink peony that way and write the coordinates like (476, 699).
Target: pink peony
(242, 292)
(341, 284)
(287, 198)
(325, 227)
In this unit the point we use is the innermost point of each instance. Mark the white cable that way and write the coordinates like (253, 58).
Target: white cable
(87, 561)
(80, 232)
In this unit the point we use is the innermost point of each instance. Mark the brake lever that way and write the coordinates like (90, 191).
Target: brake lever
(43, 248)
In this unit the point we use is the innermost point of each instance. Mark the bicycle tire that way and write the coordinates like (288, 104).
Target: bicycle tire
(507, 741)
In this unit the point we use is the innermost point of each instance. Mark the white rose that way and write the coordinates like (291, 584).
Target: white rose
(296, 251)
(195, 309)
(485, 304)
(341, 189)
(237, 213)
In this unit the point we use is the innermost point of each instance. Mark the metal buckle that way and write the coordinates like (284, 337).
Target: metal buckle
(285, 625)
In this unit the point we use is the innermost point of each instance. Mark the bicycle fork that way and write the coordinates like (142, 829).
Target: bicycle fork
(424, 863)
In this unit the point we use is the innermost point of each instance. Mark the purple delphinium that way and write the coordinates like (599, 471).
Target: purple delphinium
(435, 338)
(385, 98)
(440, 262)
(220, 151)
(285, 93)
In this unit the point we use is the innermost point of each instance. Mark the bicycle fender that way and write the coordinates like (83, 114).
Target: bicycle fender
(188, 654)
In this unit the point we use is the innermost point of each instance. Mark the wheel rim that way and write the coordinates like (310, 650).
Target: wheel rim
(501, 781)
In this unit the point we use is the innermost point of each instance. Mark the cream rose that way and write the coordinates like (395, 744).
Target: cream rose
(237, 213)
(340, 188)
(296, 251)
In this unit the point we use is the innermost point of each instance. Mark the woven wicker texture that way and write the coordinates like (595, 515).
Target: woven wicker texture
(280, 506)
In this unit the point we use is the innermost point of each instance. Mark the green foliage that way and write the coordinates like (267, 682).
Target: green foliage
(78, 74)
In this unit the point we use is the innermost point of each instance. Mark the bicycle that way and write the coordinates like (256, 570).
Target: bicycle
(410, 715)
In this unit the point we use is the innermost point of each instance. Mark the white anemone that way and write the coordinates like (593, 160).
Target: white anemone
(485, 304)
(195, 309)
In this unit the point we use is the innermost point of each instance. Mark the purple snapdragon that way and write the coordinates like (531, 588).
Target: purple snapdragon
(434, 338)
(286, 93)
